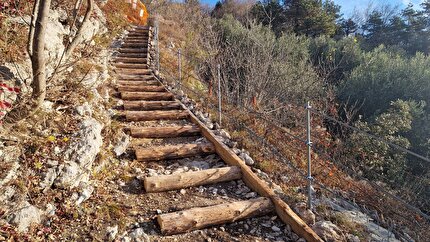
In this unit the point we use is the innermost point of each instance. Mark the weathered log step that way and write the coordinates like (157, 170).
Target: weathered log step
(198, 218)
(191, 179)
(135, 40)
(148, 96)
(140, 82)
(156, 115)
(123, 50)
(130, 65)
(147, 78)
(173, 151)
(135, 45)
(131, 60)
(151, 105)
(140, 88)
(142, 56)
(164, 132)
(134, 71)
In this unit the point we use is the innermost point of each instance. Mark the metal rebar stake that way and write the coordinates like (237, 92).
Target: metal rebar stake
(309, 145)
(157, 27)
(219, 94)
(179, 69)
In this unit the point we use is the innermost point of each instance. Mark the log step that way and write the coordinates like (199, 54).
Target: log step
(156, 115)
(164, 132)
(173, 152)
(191, 179)
(136, 45)
(131, 60)
(140, 82)
(134, 71)
(130, 65)
(133, 55)
(133, 50)
(151, 105)
(202, 217)
(148, 96)
(148, 79)
(138, 39)
(140, 88)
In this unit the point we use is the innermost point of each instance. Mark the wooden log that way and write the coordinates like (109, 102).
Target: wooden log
(148, 79)
(130, 65)
(156, 115)
(151, 105)
(191, 179)
(140, 88)
(141, 45)
(148, 96)
(140, 82)
(164, 132)
(134, 71)
(173, 152)
(255, 183)
(198, 218)
(133, 55)
(131, 60)
(133, 50)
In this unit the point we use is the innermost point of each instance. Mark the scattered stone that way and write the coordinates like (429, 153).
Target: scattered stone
(84, 110)
(276, 229)
(306, 214)
(327, 231)
(138, 235)
(251, 195)
(248, 160)
(121, 145)
(85, 194)
(26, 215)
(183, 191)
(111, 232)
(159, 211)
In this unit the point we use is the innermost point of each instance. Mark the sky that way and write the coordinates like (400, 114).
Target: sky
(349, 5)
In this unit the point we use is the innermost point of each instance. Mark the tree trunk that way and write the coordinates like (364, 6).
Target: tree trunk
(77, 39)
(38, 61)
(197, 218)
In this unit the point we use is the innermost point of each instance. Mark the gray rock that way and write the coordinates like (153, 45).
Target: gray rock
(111, 232)
(327, 231)
(276, 229)
(84, 110)
(85, 194)
(248, 160)
(139, 235)
(80, 154)
(306, 214)
(49, 178)
(25, 216)
(122, 144)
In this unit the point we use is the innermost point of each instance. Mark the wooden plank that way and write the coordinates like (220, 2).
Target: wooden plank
(140, 88)
(140, 82)
(173, 152)
(164, 132)
(191, 179)
(259, 186)
(148, 96)
(133, 50)
(134, 46)
(130, 65)
(134, 71)
(156, 115)
(202, 217)
(151, 105)
(140, 60)
(139, 79)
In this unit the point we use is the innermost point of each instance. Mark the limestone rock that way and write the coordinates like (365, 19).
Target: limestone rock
(81, 154)
(25, 216)
(306, 214)
(121, 145)
(138, 235)
(327, 231)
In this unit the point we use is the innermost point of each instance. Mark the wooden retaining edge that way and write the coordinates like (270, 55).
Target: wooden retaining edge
(255, 183)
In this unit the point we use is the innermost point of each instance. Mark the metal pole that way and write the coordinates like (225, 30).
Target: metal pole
(309, 144)
(219, 94)
(179, 69)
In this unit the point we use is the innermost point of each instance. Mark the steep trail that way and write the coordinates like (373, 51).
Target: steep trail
(191, 181)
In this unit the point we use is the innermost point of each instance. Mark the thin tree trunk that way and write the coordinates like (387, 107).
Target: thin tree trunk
(77, 39)
(38, 61)
(32, 26)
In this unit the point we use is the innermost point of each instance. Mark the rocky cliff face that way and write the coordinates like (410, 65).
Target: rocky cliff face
(56, 149)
